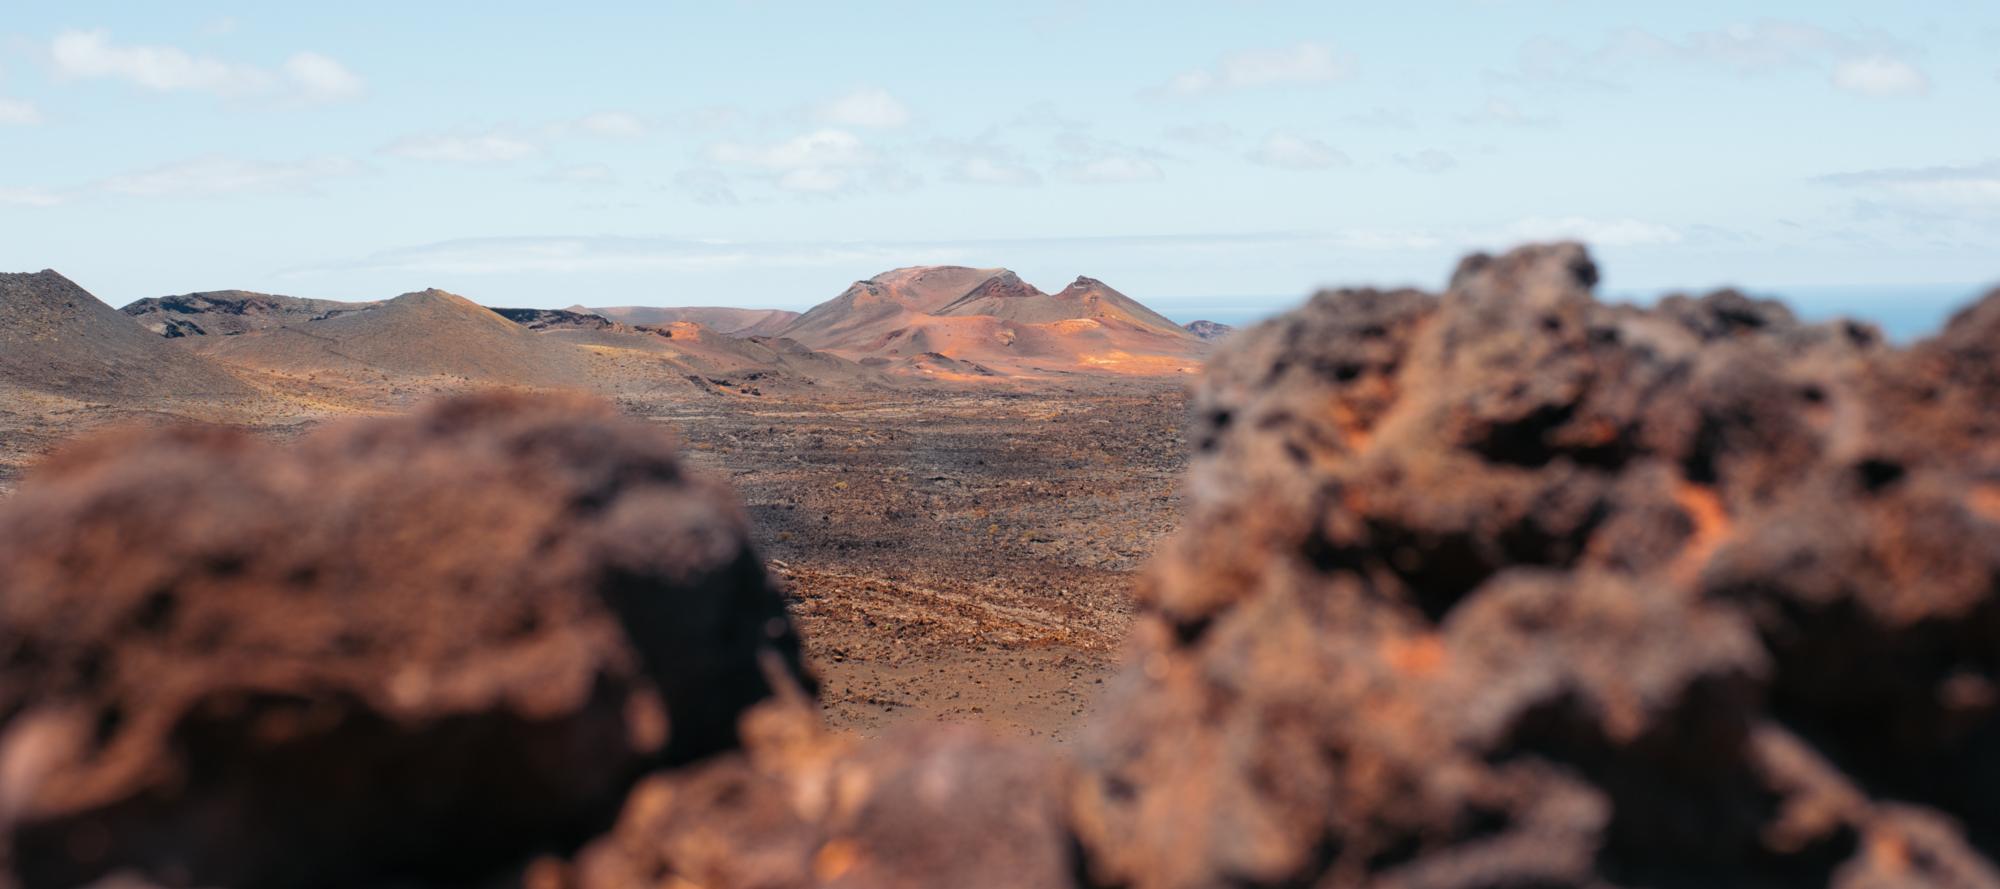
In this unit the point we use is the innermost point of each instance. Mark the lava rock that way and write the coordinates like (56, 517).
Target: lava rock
(1511, 587)
(395, 650)
(924, 806)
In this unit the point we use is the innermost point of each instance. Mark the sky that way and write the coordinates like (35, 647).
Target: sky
(1220, 158)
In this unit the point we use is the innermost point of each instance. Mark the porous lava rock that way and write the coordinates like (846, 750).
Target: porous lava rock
(1511, 587)
(923, 806)
(411, 650)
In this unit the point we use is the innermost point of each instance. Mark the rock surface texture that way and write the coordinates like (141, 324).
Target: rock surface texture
(1509, 587)
(409, 649)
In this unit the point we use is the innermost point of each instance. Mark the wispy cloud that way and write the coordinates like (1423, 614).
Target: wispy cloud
(705, 186)
(1303, 64)
(1429, 160)
(1291, 151)
(1930, 191)
(612, 124)
(1866, 64)
(1090, 160)
(322, 78)
(1598, 232)
(1113, 169)
(19, 113)
(474, 148)
(984, 161)
(203, 177)
(823, 162)
(582, 174)
(870, 107)
(1504, 113)
(305, 76)
(1207, 135)
(212, 176)
(1881, 77)
(31, 197)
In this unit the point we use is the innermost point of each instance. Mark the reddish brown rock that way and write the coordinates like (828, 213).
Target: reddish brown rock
(923, 807)
(397, 650)
(1510, 587)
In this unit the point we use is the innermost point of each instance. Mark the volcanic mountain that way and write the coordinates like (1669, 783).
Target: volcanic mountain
(732, 322)
(231, 312)
(867, 311)
(56, 337)
(1007, 297)
(908, 319)
(429, 333)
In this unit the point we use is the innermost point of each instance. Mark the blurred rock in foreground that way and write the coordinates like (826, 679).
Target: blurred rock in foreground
(394, 650)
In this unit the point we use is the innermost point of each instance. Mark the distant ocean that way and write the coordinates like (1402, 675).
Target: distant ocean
(1904, 312)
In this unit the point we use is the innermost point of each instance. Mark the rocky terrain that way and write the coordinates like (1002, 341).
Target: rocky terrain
(58, 340)
(1497, 587)
(230, 312)
(428, 334)
(727, 321)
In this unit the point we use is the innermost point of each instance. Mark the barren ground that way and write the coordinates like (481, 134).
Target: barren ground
(950, 554)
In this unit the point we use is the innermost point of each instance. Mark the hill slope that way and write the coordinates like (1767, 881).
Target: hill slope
(429, 333)
(870, 309)
(56, 337)
(733, 322)
(231, 312)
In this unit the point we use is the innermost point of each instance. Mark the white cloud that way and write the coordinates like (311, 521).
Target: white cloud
(1744, 48)
(306, 76)
(821, 162)
(1928, 190)
(612, 124)
(1114, 169)
(870, 107)
(482, 148)
(1304, 64)
(986, 170)
(1868, 64)
(1500, 112)
(212, 176)
(1880, 76)
(321, 78)
(984, 161)
(1289, 151)
(1212, 135)
(91, 54)
(1429, 160)
(30, 197)
(582, 174)
(1597, 232)
(821, 149)
(19, 113)
(204, 177)
(1385, 118)
(709, 187)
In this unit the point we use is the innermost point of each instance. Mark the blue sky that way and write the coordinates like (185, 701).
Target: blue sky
(1217, 158)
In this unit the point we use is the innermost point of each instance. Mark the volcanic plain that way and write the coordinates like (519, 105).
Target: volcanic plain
(952, 475)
